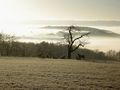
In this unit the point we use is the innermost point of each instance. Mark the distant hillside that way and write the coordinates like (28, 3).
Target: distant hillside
(93, 31)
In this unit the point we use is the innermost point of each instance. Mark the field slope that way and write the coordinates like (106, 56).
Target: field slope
(45, 74)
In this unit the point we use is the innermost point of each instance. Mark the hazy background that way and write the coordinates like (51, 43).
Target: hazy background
(23, 18)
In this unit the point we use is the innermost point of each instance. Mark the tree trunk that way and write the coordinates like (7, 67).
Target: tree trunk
(69, 52)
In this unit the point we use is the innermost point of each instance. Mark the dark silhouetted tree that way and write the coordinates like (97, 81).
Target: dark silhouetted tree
(74, 38)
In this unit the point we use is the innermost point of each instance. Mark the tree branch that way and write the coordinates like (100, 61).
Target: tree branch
(77, 47)
(80, 37)
(70, 33)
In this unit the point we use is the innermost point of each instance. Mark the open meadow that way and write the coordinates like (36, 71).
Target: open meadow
(17, 73)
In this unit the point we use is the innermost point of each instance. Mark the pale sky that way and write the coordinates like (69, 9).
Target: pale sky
(17, 10)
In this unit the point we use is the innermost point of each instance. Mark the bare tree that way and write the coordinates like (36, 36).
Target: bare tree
(6, 43)
(74, 39)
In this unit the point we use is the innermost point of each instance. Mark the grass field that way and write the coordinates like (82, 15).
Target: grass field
(37, 74)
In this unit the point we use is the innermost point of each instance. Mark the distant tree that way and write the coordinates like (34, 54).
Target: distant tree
(6, 43)
(118, 55)
(111, 54)
(74, 39)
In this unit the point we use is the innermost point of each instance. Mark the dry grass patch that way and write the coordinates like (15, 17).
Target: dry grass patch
(45, 74)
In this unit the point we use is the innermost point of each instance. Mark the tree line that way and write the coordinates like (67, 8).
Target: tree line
(10, 47)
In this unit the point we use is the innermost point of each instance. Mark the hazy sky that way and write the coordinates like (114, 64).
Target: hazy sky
(16, 10)
(13, 11)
